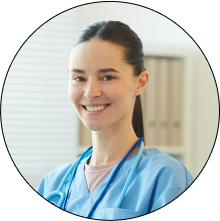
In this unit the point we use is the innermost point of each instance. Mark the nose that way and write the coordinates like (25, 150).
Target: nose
(92, 90)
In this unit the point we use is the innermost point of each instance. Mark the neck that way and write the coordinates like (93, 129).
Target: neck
(112, 144)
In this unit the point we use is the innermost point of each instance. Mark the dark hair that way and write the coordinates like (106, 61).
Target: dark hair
(121, 34)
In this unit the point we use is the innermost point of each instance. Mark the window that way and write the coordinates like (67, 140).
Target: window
(39, 123)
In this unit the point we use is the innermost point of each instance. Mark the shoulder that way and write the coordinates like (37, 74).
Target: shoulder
(164, 168)
(51, 181)
(157, 159)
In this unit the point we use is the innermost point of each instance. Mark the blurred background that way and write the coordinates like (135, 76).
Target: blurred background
(180, 104)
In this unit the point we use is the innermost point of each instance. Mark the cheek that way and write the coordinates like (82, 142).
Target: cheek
(123, 96)
(115, 92)
(73, 94)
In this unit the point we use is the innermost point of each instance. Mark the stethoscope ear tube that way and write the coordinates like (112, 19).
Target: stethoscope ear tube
(137, 159)
(112, 177)
(85, 154)
(59, 193)
(72, 170)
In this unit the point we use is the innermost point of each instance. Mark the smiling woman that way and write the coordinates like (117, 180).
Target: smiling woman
(100, 76)
(117, 177)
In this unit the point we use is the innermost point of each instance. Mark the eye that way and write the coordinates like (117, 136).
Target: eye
(77, 78)
(108, 77)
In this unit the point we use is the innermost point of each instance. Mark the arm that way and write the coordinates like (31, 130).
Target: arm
(166, 197)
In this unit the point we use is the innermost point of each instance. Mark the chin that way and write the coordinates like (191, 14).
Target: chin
(93, 127)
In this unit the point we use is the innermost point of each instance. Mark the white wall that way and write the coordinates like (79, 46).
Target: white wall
(150, 26)
(206, 111)
(156, 30)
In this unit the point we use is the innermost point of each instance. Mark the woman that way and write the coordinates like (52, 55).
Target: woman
(113, 181)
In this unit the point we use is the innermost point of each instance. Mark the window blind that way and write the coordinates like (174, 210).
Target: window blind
(40, 125)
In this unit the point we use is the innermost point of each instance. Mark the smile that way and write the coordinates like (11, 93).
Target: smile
(95, 109)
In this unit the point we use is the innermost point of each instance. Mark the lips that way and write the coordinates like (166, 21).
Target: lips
(102, 104)
(91, 112)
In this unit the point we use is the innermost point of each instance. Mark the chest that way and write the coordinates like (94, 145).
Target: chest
(80, 201)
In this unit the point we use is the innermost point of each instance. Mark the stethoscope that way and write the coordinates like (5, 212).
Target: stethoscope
(63, 199)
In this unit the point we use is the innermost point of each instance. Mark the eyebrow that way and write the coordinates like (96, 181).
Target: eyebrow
(105, 70)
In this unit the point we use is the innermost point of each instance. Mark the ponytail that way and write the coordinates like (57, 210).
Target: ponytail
(137, 118)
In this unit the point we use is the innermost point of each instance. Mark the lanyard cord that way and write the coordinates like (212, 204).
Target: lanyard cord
(112, 177)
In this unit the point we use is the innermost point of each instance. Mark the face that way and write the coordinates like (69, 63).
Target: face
(100, 78)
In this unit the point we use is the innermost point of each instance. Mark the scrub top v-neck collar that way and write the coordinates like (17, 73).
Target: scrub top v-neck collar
(80, 186)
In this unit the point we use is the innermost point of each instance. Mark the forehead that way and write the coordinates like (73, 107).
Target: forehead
(97, 52)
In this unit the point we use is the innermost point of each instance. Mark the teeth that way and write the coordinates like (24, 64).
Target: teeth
(96, 108)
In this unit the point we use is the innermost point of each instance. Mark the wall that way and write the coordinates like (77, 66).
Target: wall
(206, 111)
(150, 26)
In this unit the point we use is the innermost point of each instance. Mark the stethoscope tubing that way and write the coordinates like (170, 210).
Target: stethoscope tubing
(84, 155)
(112, 177)
(72, 170)
(64, 197)
(137, 159)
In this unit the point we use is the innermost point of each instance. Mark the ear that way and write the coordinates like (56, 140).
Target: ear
(142, 81)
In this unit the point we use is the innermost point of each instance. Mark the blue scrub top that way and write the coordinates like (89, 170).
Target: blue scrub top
(157, 180)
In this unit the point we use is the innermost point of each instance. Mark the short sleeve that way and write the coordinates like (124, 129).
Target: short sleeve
(52, 180)
(40, 188)
(167, 196)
